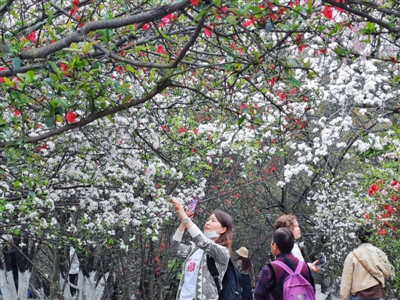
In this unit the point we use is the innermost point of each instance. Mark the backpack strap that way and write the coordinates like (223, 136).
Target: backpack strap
(286, 268)
(213, 271)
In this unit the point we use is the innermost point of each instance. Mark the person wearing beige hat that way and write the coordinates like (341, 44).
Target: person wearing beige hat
(245, 266)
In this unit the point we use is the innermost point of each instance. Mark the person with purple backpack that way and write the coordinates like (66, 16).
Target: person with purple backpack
(286, 276)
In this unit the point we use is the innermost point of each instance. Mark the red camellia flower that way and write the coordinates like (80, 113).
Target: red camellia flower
(394, 183)
(390, 210)
(301, 47)
(207, 32)
(73, 11)
(375, 188)
(75, 2)
(182, 129)
(145, 26)
(32, 36)
(2, 69)
(383, 232)
(119, 69)
(195, 2)
(70, 117)
(17, 113)
(367, 216)
(338, 8)
(160, 49)
(327, 12)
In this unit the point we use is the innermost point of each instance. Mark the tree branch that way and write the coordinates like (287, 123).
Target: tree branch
(81, 33)
(163, 84)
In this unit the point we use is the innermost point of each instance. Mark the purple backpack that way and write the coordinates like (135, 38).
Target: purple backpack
(295, 286)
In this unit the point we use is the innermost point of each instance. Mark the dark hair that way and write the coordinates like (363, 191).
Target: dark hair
(285, 221)
(246, 263)
(284, 239)
(225, 239)
(364, 233)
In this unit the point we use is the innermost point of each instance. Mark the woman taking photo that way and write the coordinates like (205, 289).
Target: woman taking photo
(196, 282)
(245, 266)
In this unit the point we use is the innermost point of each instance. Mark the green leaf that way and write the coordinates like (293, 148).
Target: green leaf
(16, 63)
(8, 81)
(126, 99)
(202, 13)
(17, 183)
(59, 110)
(294, 82)
(49, 121)
(310, 6)
(241, 120)
(54, 66)
(255, 9)
(4, 127)
(30, 76)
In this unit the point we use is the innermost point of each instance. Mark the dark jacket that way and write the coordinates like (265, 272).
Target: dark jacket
(271, 278)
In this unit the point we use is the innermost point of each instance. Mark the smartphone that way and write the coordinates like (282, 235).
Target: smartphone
(321, 262)
(191, 208)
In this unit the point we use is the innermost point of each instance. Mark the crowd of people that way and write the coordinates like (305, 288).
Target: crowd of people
(207, 259)
(364, 273)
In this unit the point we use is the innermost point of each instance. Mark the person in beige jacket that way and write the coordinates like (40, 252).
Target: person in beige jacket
(365, 270)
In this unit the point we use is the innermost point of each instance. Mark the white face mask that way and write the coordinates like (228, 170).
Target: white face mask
(211, 234)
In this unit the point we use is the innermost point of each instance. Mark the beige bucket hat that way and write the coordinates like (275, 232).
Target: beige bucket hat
(243, 252)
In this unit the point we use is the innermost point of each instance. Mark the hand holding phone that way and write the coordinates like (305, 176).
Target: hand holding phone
(191, 208)
(321, 262)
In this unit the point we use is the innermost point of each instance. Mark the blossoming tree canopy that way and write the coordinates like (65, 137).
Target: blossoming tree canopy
(108, 108)
(94, 58)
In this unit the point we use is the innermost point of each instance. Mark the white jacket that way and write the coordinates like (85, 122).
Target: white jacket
(73, 258)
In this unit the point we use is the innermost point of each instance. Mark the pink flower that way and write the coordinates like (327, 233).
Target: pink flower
(70, 117)
(17, 113)
(145, 26)
(195, 2)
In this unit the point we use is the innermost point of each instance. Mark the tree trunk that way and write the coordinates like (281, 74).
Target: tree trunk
(54, 276)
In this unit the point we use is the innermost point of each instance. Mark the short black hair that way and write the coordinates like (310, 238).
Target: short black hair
(364, 233)
(284, 239)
